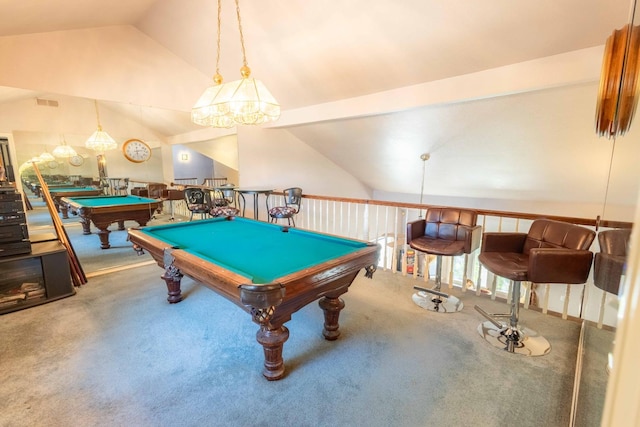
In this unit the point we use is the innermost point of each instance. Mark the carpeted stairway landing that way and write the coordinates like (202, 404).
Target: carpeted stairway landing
(117, 354)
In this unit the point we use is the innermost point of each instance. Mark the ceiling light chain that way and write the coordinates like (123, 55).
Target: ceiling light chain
(244, 52)
(218, 77)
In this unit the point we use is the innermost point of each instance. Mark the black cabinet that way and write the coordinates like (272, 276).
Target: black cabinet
(35, 278)
(14, 236)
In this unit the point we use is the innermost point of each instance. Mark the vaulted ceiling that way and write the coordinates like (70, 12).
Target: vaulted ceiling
(373, 73)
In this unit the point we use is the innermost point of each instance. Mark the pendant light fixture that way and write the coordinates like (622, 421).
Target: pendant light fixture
(46, 156)
(64, 150)
(100, 140)
(242, 102)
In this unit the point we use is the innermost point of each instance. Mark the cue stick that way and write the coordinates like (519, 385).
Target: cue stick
(77, 274)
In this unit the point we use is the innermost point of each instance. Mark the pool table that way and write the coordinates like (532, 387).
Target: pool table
(270, 271)
(58, 193)
(105, 210)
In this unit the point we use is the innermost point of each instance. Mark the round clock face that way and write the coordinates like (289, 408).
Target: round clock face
(52, 164)
(136, 151)
(76, 160)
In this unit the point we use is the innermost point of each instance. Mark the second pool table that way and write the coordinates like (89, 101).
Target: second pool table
(270, 271)
(105, 210)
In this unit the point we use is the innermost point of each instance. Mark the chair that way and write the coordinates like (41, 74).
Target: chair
(608, 264)
(198, 201)
(443, 232)
(551, 252)
(224, 201)
(120, 186)
(104, 184)
(292, 203)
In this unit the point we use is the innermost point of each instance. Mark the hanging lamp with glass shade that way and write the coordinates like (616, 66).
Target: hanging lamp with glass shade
(46, 156)
(64, 150)
(100, 140)
(246, 101)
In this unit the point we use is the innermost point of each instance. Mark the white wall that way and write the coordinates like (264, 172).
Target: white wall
(138, 70)
(275, 158)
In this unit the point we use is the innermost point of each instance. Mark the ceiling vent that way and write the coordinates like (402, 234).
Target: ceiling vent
(46, 102)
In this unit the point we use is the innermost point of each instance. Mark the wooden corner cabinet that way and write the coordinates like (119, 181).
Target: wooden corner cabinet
(35, 278)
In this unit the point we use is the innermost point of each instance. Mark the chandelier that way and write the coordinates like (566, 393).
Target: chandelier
(242, 102)
(64, 150)
(100, 140)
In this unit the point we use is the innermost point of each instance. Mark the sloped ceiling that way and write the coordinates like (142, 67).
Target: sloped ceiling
(344, 73)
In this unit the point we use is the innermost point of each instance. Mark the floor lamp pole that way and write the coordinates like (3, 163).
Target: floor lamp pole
(424, 157)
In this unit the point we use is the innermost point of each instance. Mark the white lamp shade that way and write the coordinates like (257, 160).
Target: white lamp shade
(64, 151)
(101, 141)
(246, 101)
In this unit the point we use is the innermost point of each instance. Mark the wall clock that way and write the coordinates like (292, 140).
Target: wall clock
(136, 150)
(76, 160)
(52, 164)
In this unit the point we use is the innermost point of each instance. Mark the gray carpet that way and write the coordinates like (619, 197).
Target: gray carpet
(118, 354)
(593, 384)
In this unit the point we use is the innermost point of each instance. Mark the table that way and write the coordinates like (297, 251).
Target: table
(36, 188)
(255, 191)
(105, 210)
(58, 193)
(270, 271)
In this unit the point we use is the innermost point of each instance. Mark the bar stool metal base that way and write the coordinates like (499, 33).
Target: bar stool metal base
(522, 340)
(439, 302)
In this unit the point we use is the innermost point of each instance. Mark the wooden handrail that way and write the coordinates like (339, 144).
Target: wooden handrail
(597, 222)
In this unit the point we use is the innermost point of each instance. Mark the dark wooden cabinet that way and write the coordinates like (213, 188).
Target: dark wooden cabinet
(35, 278)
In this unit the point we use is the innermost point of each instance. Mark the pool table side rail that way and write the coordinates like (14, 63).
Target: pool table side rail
(331, 278)
(301, 288)
(193, 266)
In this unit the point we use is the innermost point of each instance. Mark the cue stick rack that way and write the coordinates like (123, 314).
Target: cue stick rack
(77, 273)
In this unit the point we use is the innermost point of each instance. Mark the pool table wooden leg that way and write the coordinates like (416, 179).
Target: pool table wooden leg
(331, 307)
(103, 234)
(86, 225)
(172, 277)
(272, 340)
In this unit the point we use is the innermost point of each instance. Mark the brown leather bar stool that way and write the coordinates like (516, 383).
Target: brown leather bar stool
(443, 232)
(608, 265)
(551, 252)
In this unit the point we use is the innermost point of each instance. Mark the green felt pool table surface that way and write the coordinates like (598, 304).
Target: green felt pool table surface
(108, 201)
(260, 251)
